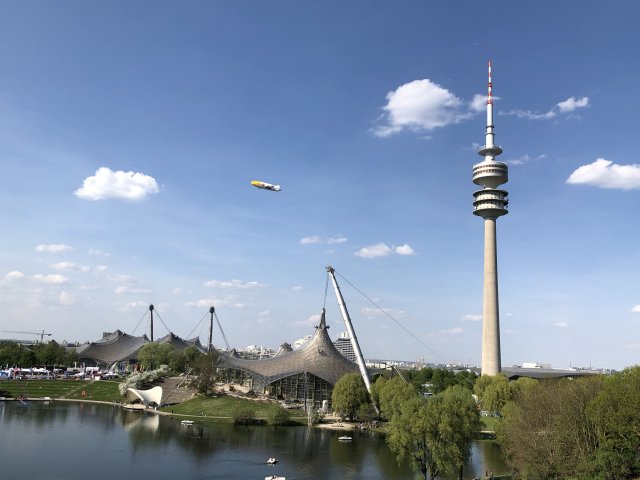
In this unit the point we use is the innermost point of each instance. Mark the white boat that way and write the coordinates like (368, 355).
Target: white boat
(274, 477)
(272, 461)
(187, 422)
(345, 438)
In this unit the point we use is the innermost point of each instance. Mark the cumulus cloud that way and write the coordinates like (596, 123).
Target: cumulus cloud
(571, 104)
(99, 253)
(383, 250)
(472, 318)
(107, 184)
(606, 174)
(70, 267)
(53, 279)
(14, 275)
(636, 309)
(53, 248)
(232, 284)
(561, 324)
(567, 106)
(404, 250)
(420, 105)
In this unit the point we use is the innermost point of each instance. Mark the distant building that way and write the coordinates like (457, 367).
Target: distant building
(345, 347)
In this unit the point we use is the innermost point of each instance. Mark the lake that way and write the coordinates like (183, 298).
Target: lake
(85, 441)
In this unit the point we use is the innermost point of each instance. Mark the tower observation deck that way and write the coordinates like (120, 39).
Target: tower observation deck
(490, 203)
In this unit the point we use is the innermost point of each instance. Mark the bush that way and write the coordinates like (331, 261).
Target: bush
(244, 415)
(279, 415)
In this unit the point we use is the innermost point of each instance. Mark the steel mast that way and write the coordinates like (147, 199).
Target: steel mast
(352, 335)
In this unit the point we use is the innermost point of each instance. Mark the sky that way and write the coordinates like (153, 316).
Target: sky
(130, 132)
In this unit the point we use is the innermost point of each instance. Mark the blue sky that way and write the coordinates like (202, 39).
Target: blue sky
(130, 132)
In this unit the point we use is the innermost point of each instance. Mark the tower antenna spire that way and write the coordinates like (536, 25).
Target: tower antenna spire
(490, 87)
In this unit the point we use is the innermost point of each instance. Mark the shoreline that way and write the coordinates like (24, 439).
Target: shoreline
(331, 425)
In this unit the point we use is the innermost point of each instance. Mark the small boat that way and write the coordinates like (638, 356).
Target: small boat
(187, 422)
(272, 461)
(345, 438)
(274, 477)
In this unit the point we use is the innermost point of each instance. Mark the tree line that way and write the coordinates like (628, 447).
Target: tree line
(50, 354)
(585, 428)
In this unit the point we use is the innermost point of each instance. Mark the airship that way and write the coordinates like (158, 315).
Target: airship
(265, 185)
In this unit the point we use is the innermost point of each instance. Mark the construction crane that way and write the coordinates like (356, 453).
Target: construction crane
(40, 333)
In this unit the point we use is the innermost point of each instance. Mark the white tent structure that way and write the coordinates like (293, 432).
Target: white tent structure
(147, 397)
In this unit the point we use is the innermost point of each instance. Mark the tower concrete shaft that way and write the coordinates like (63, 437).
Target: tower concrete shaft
(490, 203)
(490, 313)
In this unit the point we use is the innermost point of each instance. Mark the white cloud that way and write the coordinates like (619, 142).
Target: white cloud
(53, 279)
(528, 114)
(316, 239)
(297, 288)
(70, 267)
(374, 251)
(404, 250)
(232, 284)
(310, 240)
(567, 106)
(479, 103)
(420, 105)
(124, 290)
(99, 253)
(455, 331)
(606, 174)
(106, 184)
(101, 268)
(65, 298)
(561, 324)
(53, 248)
(14, 275)
(636, 309)
(338, 239)
(524, 159)
(571, 104)
(472, 318)
(383, 250)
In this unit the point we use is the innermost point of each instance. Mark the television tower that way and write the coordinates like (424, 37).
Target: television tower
(490, 203)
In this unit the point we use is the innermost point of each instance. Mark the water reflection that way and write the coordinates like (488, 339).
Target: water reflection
(111, 442)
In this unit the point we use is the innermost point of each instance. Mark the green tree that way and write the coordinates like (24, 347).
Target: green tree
(546, 433)
(496, 393)
(206, 372)
(348, 394)
(458, 423)
(393, 394)
(152, 355)
(51, 354)
(615, 414)
(435, 435)
(409, 436)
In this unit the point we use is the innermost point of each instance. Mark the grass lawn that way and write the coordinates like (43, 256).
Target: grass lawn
(224, 407)
(103, 390)
(489, 424)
